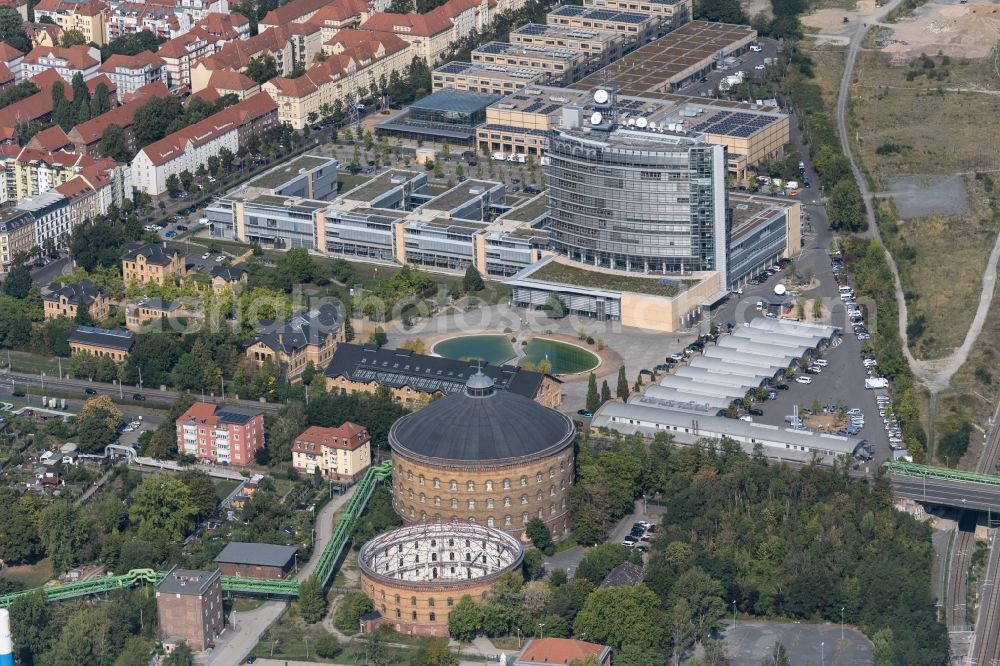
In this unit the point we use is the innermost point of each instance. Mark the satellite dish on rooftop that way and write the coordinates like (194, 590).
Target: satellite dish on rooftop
(641, 123)
(779, 289)
(601, 96)
(596, 118)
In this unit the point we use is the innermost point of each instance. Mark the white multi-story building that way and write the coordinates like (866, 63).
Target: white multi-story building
(53, 217)
(65, 61)
(129, 73)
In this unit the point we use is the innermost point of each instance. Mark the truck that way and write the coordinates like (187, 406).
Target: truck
(499, 156)
(876, 383)
(792, 185)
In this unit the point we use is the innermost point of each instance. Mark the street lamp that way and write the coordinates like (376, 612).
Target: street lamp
(734, 613)
(541, 630)
(841, 623)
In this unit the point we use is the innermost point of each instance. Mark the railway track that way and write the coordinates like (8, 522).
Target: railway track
(986, 645)
(956, 614)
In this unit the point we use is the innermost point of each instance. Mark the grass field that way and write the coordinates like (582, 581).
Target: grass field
(828, 65)
(32, 363)
(34, 575)
(223, 487)
(919, 128)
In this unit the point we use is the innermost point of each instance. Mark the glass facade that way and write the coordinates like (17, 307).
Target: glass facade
(638, 201)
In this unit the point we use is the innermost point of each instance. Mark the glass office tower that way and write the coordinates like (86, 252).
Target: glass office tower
(638, 200)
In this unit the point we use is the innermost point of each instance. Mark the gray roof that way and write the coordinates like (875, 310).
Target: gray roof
(256, 554)
(237, 415)
(113, 338)
(398, 368)
(491, 426)
(155, 254)
(77, 293)
(187, 581)
(229, 273)
(625, 574)
(307, 328)
(451, 100)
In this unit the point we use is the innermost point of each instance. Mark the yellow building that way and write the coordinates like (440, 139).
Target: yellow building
(113, 343)
(417, 379)
(88, 16)
(231, 277)
(340, 454)
(311, 336)
(140, 313)
(36, 171)
(65, 301)
(17, 235)
(152, 263)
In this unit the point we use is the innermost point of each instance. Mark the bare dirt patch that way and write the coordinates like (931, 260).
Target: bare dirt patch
(828, 27)
(922, 197)
(957, 30)
(825, 422)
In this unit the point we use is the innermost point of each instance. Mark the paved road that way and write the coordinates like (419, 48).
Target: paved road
(237, 642)
(949, 493)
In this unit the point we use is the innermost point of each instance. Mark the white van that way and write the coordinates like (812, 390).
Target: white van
(756, 48)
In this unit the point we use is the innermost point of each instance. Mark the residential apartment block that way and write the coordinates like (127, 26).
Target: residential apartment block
(190, 147)
(17, 235)
(88, 16)
(340, 454)
(130, 73)
(227, 435)
(67, 62)
(189, 607)
(65, 300)
(149, 262)
(86, 137)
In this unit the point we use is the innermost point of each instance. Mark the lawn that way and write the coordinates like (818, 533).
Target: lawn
(828, 65)
(571, 275)
(34, 575)
(223, 487)
(33, 363)
(348, 182)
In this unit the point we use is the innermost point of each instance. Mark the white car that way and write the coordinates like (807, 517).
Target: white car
(820, 362)
(748, 419)
(758, 67)
(205, 256)
(220, 258)
(804, 380)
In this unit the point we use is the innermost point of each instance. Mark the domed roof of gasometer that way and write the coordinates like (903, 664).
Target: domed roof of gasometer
(481, 424)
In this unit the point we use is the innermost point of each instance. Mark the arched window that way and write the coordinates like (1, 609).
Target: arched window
(472, 504)
(454, 503)
(451, 602)
(430, 601)
(437, 501)
(524, 517)
(434, 557)
(452, 556)
(397, 598)
(420, 479)
(506, 501)
(454, 484)
(507, 521)
(398, 614)
(524, 499)
(538, 496)
(413, 601)
(409, 475)
(490, 522)
(552, 491)
(552, 472)
(423, 498)
(489, 503)
(470, 486)
(506, 484)
(538, 477)
(437, 482)
(433, 617)
(524, 481)
(468, 557)
(414, 615)
(383, 595)
(409, 493)
(489, 485)
(423, 515)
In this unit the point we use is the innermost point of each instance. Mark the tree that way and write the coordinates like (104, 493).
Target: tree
(723, 11)
(180, 656)
(173, 184)
(163, 504)
(72, 38)
(817, 310)
(114, 144)
(152, 121)
(18, 282)
(435, 652)
(84, 639)
(376, 651)
(202, 491)
(312, 601)
(703, 594)
(465, 619)
(539, 535)
(62, 111)
(885, 652)
(598, 562)
(605, 392)
(472, 281)
(618, 616)
(533, 564)
(64, 532)
(262, 69)
(297, 265)
(622, 391)
(633, 655)
(29, 624)
(778, 657)
(555, 306)
(97, 424)
(846, 209)
(12, 29)
(348, 616)
(101, 101)
(593, 397)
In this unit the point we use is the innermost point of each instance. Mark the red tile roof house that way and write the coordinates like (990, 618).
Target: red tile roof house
(222, 434)
(65, 61)
(53, 138)
(192, 146)
(129, 73)
(561, 652)
(181, 54)
(12, 58)
(86, 136)
(39, 106)
(225, 27)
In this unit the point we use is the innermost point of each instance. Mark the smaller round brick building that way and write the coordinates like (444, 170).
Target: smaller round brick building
(414, 575)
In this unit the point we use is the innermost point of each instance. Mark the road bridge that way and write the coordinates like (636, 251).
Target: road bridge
(945, 487)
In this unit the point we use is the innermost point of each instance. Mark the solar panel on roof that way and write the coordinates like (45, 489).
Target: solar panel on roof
(452, 68)
(533, 29)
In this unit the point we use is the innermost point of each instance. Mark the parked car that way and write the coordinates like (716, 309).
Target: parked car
(585, 413)
(138, 396)
(804, 380)
(90, 391)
